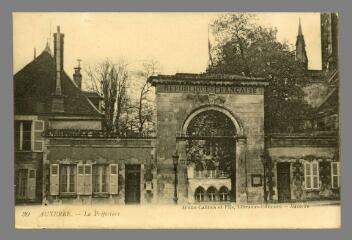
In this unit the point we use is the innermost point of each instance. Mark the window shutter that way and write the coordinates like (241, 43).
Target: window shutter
(338, 174)
(54, 179)
(38, 142)
(88, 179)
(315, 175)
(335, 175)
(80, 179)
(113, 181)
(31, 184)
(308, 180)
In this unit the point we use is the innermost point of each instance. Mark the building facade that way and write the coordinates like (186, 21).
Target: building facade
(212, 124)
(45, 98)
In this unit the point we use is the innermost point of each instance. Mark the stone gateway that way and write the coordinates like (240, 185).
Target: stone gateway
(216, 124)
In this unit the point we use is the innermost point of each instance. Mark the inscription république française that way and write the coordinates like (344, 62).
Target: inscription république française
(210, 89)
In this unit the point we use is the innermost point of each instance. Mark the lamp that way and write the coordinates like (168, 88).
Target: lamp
(175, 158)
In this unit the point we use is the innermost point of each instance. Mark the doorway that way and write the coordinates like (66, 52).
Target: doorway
(211, 135)
(283, 182)
(132, 183)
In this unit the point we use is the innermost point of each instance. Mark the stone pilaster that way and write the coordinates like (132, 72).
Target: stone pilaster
(241, 172)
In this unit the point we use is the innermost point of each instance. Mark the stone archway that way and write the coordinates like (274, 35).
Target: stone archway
(221, 109)
(210, 136)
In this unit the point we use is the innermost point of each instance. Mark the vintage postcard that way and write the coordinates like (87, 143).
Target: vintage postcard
(176, 120)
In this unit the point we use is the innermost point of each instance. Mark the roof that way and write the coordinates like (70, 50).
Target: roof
(35, 83)
(330, 102)
(206, 78)
(90, 94)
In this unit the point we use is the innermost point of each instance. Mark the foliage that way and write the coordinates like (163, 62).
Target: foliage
(244, 47)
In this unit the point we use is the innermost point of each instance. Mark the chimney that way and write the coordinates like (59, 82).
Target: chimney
(77, 76)
(58, 100)
(59, 59)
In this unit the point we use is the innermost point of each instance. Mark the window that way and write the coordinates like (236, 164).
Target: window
(311, 175)
(199, 170)
(212, 173)
(211, 169)
(23, 135)
(100, 178)
(25, 184)
(335, 174)
(21, 183)
(199, 194)
(68, 178)
(28, 135)
(211, 192)
(84, 179)
(224, 194)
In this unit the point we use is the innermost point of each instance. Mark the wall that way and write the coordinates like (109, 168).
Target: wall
(101, 151)
(305, 150)
(76, 124)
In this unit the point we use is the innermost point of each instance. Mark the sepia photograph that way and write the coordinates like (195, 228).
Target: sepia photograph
(175, 120)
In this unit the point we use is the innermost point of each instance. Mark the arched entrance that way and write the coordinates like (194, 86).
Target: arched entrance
(211, 148)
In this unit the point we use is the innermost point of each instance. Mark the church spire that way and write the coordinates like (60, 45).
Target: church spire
(301, 54)
(300, 28)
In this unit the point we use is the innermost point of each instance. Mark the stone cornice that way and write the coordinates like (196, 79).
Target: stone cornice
(207, 79)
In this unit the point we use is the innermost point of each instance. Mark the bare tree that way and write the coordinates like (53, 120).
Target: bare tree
(128, 119)
(144, 105)
(109, 80)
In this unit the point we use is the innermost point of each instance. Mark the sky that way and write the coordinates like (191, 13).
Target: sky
(178, 41)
